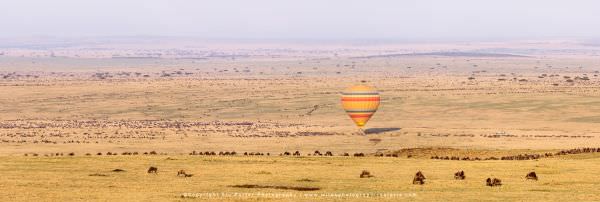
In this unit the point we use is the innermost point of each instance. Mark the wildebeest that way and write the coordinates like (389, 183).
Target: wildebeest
(181, 173)
(493, 182)
(460, 175)
(366, 174)
(297, 153)
(531, 176)
(419, 178)
(153, 169)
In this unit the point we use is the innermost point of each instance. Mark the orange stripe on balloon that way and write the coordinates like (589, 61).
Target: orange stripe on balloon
(354, 99)
(360, 115)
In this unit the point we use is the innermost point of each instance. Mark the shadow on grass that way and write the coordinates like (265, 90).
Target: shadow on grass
(380, 130)
(276, 187)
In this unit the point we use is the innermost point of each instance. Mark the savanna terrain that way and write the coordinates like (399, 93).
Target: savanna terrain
(503, 112)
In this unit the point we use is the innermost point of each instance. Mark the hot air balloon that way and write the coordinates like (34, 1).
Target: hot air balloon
(360, 102)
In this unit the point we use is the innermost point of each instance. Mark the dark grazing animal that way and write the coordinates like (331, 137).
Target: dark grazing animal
(493, 182)
(181, 173)
(366, 174)
(153, 170)
(460, 175)
(419, 178)
(531, 176)
(359, 154)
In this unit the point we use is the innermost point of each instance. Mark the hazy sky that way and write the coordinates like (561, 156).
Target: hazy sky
(312, 19)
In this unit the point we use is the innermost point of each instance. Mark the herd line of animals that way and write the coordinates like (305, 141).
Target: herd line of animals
(360, 154)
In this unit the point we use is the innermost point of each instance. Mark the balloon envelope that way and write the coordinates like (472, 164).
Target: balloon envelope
(360, 102)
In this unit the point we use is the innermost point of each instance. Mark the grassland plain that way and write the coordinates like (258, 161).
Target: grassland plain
(91, 178)
(444, 113)
(432, 105)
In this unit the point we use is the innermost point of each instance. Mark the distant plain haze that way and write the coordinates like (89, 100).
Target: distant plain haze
(303, 19)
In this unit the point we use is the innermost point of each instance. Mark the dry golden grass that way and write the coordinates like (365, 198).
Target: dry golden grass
(415, 112)
(68, 178)
(509, 106)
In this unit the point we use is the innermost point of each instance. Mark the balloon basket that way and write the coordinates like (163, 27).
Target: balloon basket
(361, 131)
